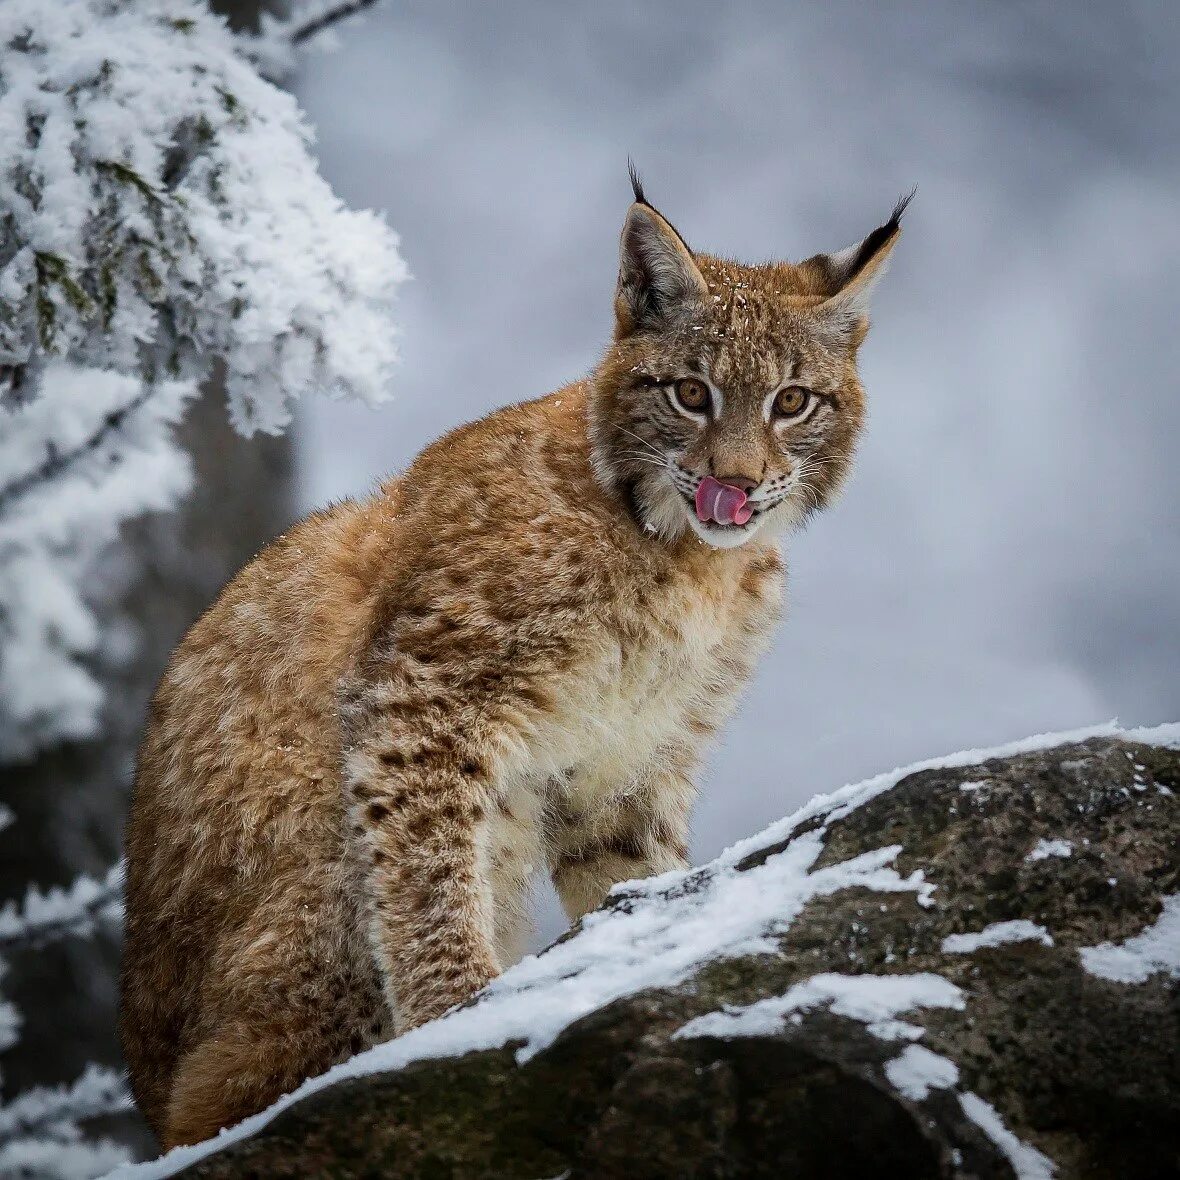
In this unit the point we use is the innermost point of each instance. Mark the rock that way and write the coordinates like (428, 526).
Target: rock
(969, 970)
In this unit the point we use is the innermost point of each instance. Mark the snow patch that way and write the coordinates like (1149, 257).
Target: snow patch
(916, 1071)
(1026, 1161)
(847, 799)
(874, 1000)
(998, 933)
(896, 1030)
(1044, 849)
(1157, 948)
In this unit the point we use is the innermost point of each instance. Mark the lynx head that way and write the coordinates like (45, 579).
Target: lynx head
(729, 402)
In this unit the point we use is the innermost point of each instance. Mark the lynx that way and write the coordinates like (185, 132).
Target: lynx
(508, 659)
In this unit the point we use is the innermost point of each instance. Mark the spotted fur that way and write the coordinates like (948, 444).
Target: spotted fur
(507, 660)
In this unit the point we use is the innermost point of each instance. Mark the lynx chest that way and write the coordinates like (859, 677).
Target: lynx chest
(663, 670)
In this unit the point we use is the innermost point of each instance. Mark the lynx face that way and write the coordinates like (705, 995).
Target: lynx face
(729, 403)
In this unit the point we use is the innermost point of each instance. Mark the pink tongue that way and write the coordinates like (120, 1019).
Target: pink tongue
(721, 502)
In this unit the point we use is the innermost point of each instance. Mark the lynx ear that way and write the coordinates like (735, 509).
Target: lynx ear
(847, 278)
(657, 274)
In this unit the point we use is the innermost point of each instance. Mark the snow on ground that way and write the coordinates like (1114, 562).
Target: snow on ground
(875, 1000)
(1047, 848)
(670, 925)
(1026, 1161)
(1018, 930)
(1157, 948)
(916, 1071)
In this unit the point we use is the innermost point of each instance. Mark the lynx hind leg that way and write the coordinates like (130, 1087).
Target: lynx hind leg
(288, 1013)
(584, 875)
(244, 1066)
(238, 1071)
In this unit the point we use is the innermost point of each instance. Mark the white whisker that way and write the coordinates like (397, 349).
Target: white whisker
(654, 450)
(638, 457)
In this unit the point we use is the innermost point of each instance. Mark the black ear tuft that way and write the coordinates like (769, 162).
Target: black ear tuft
(903, 203)
(641, 199)
(636, 183)
(879, 236)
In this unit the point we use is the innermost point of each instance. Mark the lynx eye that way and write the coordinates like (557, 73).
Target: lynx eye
(792, 401)
(693, 395)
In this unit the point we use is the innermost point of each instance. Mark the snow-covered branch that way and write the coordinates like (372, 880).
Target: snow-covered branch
(161, 218)
(64, 1156)
(272, 48)
(311, 19)
(40, 1132)
(61, 913)
(44, 1109)
(58, 463)
(160, 212)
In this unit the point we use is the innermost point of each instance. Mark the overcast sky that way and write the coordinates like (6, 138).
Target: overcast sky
(1005, 559)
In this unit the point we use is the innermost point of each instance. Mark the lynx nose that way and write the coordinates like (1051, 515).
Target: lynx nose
(744, 482)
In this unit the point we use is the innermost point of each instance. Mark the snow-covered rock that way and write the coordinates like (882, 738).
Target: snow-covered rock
(884, 984)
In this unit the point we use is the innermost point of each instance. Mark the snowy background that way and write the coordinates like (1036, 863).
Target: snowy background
(1005, 560)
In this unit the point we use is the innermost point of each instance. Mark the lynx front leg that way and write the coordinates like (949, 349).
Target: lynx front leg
(637, 833)
(418, 790)
(432, 717)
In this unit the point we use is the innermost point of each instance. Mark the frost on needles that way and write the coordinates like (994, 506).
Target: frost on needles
(160, 213)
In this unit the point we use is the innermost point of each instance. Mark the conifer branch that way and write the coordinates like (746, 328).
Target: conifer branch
(60, 913)
(323, 20)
